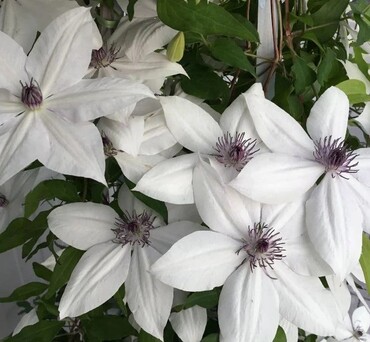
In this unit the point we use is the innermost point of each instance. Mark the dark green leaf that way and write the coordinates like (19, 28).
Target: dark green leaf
(47, 190)
(205, 84)
(364, 32)
(18, 232)
(43, 331)
(227, 51)
(211, 338)
(41, 271)
(365, 260)
(205, 299)
(108, 328)
(145, 337)
(63, 269)
(24, 292)
(131, 8)
(280, 335)
(304, 76)
(326, 66)
(203, 18)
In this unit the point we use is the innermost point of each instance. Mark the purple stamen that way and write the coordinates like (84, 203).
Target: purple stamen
(334, 155)
(134, 228)
(235, 151)
(31, 94)
(104, 57)
(263, 246)
(109, 149)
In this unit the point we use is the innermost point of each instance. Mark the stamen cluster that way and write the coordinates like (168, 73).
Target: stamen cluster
(235, 151)
(104, 56)
(134, 228)
(109, 149)
(334, 155)
(263, 246)
(31, 94)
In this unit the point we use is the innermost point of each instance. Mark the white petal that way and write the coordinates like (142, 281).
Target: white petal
(237, 118)
(74, 149)
(123, 114)
(363, 159)
(11, 106)
(340, 291)
(189, 324)
(193, 127)
(329, 115)
(278, 130)
(302, 257)
(277, 178)
(140, 37)
(133, 167)
(18, 23)
(364, 118)
(12, 62)
(357, 292)
(199, 261)
(157, 136)
(153, 68)
(334, 224)
(220, 206)
(149, 299)
(96, 278)
(162, 238)
(305, 302)
(125, 137)
(170, 180)
(291, 331)
(183, 212)
(90, 99)
(27, 319)
(83, 225)
(62, 53)
(361, 319)
(249, 307)
(22, 140)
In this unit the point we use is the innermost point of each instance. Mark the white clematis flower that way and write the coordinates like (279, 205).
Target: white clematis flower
(253, 251)
(14, 191)
(118, 250)
(296, 162)
(45, 105)
(130, 53)
(229, 145)
(140, 142)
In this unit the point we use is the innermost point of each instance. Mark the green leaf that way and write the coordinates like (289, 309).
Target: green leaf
(211, 338)
(203, 18)
(205, 299)
(365, 260)
(205, 84)
(280, 335)
(326, 66)
(43, 331)
(108, 328)
(63, 269)
(25, 291)
(18, 232)
(131, 9)
(227, 51)
(47, 190)
(355, 90)
(364, 32)
(41, 271)
(304, 76)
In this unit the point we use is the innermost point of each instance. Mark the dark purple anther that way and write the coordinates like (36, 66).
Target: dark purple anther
(103, 57)
(31, 94)
(3, 201)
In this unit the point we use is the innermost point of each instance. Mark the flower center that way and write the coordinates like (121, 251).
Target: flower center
(359, 334)
(31, 94)
(134, 228)
(263, 246)
(3, 201)
(334, 155)
(109, 149)
(104, 57)
(235, 151)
